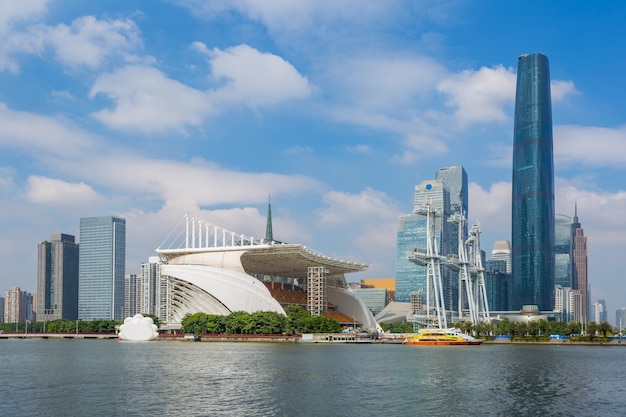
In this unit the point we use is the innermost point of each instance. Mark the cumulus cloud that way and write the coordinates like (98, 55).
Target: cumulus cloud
(43, 190)
(480, 96)
(590, 146)
(255, 78)
(146, 100)
(88, 42)
(420, 146)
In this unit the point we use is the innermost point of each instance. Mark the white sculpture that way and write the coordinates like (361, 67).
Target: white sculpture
(138, 328)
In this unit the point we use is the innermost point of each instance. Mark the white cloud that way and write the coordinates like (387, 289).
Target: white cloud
(590, 146)
(561, 89)
(420, 146)
(255, 78)
(43, 135)
(89, 41)
(52, 191)
(146, 100)
(480, 96)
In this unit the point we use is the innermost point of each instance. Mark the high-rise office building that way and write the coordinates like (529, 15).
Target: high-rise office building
(532, 237)
(501, 251)
(563, 246)
(57, 278)
(603, 315)
(620, 319)
(101, 268)
(2, 309)
(498, 284)
(448, 194)
(579, 272)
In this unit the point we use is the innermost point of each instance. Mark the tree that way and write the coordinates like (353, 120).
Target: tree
(592, 328)
(504, 327)
(604, 328)
(573, 327)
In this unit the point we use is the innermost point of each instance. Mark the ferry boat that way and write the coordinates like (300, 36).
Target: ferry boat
(441, 337)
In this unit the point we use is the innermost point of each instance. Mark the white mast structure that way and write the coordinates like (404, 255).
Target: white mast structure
(431, 260)
(469, 267)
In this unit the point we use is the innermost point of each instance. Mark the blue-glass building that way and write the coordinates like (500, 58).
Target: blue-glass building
(532, 237)
(101, 268)
(448, 194)
(57, 278)
(563, 247)
(498, 285)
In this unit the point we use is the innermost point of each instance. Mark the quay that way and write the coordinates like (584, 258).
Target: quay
(10, 335)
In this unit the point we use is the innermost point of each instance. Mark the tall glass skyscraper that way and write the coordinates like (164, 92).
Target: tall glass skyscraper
(101, 268)
(532, 243)
(447, 193)
(563, 246)
(57, 278)
(579, 249)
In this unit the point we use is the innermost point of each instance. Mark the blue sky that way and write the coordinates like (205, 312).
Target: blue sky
(149, 110)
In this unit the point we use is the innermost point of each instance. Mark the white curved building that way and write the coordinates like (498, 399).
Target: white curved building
(220, 272)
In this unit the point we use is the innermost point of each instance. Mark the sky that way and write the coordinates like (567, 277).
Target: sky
(150, 110)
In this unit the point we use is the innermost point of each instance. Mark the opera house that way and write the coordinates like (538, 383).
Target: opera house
(216, 271)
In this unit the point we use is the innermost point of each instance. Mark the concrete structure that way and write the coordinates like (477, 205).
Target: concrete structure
(532, 237)
(219, 272)
(101, 268)
(57, 278)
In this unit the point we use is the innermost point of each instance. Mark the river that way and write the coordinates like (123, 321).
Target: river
(175, 378)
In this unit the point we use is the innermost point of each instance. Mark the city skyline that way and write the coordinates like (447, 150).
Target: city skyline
(151, 110)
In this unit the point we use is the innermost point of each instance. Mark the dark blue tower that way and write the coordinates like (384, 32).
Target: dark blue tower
(533, 232)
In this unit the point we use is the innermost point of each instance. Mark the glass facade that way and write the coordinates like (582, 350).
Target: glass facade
(411, 233)
(563, 251)
(57, 278)
(101, 268)
(532, 233)
(498, 285)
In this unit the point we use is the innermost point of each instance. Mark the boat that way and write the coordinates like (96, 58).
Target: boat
(436, 336)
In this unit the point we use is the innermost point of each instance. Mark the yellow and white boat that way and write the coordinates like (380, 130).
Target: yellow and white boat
(435, 336)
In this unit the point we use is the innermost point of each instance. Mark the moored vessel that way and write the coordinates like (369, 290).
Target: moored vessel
(435, 336)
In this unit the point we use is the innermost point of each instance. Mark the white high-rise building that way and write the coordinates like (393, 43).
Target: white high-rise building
(502, 252)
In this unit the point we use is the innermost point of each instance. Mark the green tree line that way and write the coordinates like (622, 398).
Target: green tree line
(297, 321)
(62, 326)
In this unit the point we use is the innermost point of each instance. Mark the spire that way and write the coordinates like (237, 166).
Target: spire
(269, 236)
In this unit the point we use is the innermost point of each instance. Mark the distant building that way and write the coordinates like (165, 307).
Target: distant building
(620, 318)
(375, 299)
(17, 306)
(101, 268)
(147, 293)
(579, 272)
(57, 278)
(2, 309)
(498, 284)
(389, 284)
(132, 297)
(598, 312)
(603, 315)
(563, 251)
(532, 232)
(501, 251)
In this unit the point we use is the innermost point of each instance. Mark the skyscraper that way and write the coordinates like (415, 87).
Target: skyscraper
(563, 251)
(57, 278)
(101, 268)
(533, 186)
(501, 251)
(579, 273)
(448, 194)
